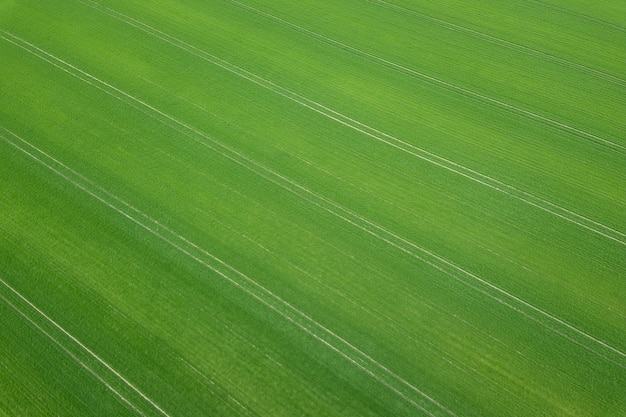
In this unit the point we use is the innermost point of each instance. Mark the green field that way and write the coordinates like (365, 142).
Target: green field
(312, 208)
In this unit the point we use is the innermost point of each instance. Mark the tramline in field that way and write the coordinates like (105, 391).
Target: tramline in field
(266, 208)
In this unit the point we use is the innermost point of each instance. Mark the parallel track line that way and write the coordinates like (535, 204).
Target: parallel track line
(571, 12)
(503, 42)
(82, 346)
(379, 232)
(439, 82)
(473, 175)
(251, 287)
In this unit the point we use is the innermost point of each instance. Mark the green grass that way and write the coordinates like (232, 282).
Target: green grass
(282, 208)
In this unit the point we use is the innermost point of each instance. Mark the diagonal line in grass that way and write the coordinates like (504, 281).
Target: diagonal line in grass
(424, 255)
(578, 14)
(81, 345)
(473, 175)
(438, 82)
(503, 42)
(303, 321)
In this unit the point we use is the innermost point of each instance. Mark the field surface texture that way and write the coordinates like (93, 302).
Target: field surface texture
(312, 208)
